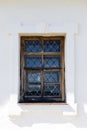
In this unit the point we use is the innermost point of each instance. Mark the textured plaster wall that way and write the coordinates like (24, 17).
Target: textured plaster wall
(16, 14)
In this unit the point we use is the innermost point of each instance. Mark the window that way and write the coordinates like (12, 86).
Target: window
(42, 69)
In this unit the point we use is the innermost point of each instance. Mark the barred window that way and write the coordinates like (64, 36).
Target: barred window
(42, 69)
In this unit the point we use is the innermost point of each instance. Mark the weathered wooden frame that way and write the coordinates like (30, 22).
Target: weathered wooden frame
(42, 54)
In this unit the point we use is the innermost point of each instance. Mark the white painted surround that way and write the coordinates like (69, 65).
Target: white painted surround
(43, 17)
(69, 31)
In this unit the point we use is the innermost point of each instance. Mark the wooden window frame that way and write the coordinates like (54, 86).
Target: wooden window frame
(23, 73)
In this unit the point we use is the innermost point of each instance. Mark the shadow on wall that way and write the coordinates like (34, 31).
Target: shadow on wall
(29, 118)
(4, 97)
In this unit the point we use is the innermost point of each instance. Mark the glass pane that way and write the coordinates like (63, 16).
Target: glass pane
(52, 90)
(33, 90)
(32, 46)
(51, 45)
(33, 77)
(33, 61)
(51, 62)
(51, 77)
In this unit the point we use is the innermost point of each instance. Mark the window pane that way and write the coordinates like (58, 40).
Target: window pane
(52, 90)
(33, 90)
(33, 77)
(51, 45)
(32, 46)
(51, 61)
(33, 61)
(51, 77)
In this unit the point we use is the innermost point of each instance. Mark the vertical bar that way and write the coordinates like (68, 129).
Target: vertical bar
(21, 68)
(62, 70)
(25, 84)
(42, 72)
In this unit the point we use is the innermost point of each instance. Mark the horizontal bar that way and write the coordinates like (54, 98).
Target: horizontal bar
(32, 83)
(43, 69)
(42, 53)
(50, 83)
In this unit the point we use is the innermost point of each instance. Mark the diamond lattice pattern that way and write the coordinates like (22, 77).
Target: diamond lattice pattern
(33, 62)
(33, 77)
(33, 90)
(32, 46)
(51, 77)
(51, 61)
(52, 90)
(51, 45)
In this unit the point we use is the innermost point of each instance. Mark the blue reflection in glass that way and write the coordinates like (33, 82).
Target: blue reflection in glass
(52, 77)
(51, 61)
(51, 45)
(33, 77)
(33, 61)
(32, 46)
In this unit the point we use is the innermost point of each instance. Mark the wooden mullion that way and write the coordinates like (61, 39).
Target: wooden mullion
(62, 70)
(54, 70)
(32, 83)
(52, 37)
(32, 70)
(45, 69)
(30, 38)
(52, 53)
(42, 76)
(21, 69)
(25, 83)
(51, 83)
(42, 53)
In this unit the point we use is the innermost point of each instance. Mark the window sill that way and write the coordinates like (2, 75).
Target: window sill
(17, 109)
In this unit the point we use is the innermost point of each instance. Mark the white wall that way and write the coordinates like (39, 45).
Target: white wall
(19, 14)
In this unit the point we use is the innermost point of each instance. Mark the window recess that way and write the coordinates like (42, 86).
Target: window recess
(42, 69)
